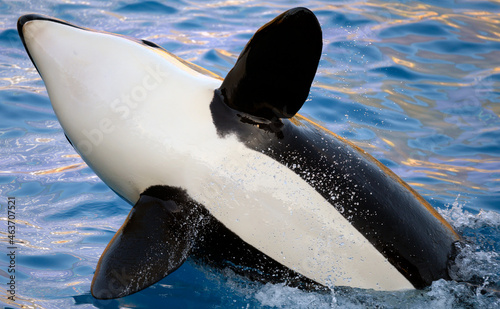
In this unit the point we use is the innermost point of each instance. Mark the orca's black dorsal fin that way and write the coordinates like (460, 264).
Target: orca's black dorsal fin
(155, 240)
(273, 74)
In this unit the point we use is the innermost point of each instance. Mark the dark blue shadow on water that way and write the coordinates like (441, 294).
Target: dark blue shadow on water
(147, 7)
(102, 304)
(187, 287)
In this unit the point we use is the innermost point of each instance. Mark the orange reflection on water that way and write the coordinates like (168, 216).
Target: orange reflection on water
(58, 242)
(64, 232)
(434, 168)
(402, 62)
(75, 166)
(342, 90)
(451, 168)
(60, 169)
(17, 221)
(388, 142)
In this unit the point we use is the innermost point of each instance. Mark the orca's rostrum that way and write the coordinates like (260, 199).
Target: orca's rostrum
(225, 170)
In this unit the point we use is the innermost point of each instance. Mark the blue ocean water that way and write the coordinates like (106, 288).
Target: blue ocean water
(414, 83)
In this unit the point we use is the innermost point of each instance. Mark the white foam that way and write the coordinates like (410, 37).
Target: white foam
(281, 296)
(461, 218)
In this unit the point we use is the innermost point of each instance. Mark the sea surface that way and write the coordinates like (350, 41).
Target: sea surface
(414, 83)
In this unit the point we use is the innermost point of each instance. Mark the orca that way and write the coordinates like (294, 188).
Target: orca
(226, 171)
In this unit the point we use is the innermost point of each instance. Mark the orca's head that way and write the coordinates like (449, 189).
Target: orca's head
(98, 81)
(108, 90)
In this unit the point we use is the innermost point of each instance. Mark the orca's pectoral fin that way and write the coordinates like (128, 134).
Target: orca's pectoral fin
(273, 74)
(155, 239)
